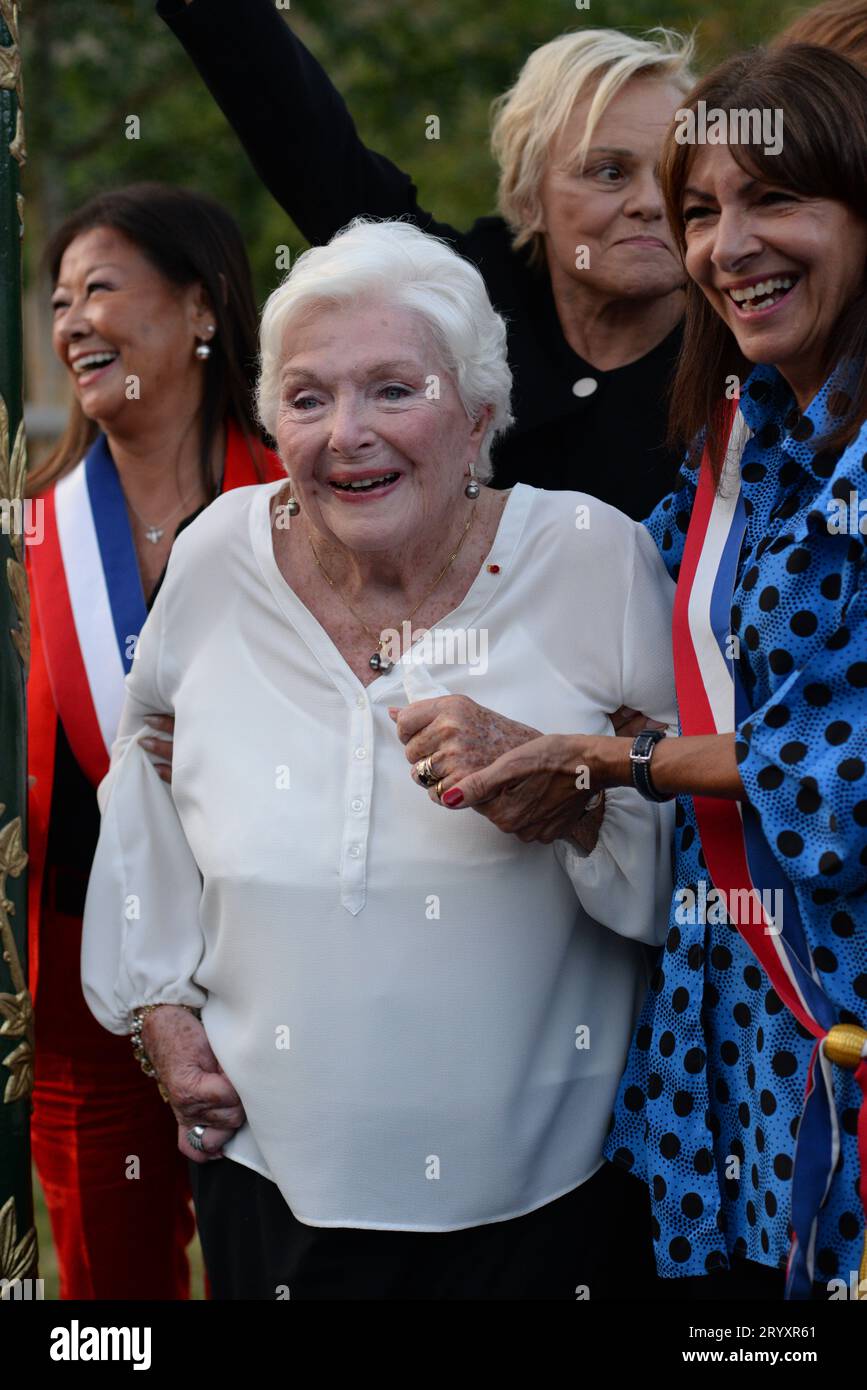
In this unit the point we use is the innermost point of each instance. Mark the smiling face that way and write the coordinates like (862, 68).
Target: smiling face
(113, 306)
(375, 463)
(613, 206)
(760, 254)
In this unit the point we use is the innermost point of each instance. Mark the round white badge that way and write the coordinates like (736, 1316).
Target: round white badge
(585, 387)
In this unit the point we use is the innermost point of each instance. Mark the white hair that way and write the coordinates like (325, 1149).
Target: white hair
(394, 261)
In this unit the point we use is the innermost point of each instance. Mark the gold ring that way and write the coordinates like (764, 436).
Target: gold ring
(440, 788)
(425, 773)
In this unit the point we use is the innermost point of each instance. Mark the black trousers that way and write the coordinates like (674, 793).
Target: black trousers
(593, 1243)
(596, 1238)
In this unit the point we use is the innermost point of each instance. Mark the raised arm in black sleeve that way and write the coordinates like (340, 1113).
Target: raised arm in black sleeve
(292, 122)
(303, 144)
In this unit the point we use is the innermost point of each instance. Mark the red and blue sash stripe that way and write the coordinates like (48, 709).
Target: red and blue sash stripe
(88, 589)
(712, 699)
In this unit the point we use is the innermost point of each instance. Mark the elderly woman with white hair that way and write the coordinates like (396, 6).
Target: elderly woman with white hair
(403, 1030)
(579, 259)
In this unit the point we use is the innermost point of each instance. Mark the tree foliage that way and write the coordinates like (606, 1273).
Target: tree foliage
(90, 65)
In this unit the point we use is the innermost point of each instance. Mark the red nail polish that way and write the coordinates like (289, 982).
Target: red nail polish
(453, 797)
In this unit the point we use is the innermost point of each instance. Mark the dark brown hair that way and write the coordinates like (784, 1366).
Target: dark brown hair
(188, 237)
(823, 98)
(838, 24)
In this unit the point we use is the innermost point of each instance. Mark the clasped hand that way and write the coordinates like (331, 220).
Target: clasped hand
(535, 801)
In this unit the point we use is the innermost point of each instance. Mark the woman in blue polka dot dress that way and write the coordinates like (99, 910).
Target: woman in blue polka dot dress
(708, 1109)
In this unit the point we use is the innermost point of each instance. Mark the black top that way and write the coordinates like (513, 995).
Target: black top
(302, 142)
(73, 826)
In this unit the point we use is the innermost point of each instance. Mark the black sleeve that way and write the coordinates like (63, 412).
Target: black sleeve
(292, 122)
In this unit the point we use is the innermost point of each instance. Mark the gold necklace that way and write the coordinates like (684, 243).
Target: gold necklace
(378, 662)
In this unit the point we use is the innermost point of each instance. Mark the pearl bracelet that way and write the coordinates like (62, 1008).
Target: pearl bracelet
(147, 1066)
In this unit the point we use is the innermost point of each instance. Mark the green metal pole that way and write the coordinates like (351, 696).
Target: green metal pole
(18, 1250)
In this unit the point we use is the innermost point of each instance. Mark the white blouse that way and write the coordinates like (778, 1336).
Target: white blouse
(425, 1019)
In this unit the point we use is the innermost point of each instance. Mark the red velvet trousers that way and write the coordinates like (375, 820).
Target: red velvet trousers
(104, 1143)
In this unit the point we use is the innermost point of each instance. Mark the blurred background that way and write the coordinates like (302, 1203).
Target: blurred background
(90, 64)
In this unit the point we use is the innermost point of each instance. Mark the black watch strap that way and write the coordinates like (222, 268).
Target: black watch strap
(640, 755)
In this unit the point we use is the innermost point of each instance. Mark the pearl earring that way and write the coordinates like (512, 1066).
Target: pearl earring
(293, 506)
(203, 350)
(472, 488)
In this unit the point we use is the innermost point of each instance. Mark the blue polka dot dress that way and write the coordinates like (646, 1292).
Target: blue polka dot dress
(707, 1110)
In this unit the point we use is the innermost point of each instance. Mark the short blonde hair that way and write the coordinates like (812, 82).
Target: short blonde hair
(396, 262)
(532, 113)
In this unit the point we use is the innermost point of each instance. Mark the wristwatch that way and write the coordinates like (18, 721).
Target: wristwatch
(640, 755)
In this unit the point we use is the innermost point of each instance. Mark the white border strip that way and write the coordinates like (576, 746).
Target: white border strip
(88, 596)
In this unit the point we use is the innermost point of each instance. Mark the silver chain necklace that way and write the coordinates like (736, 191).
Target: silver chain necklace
(156, 533)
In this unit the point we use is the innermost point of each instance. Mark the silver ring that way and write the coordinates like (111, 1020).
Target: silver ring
(425, 773)
(194, 1138)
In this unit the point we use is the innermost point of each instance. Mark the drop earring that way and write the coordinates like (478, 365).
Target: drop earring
(472, 488)
(203, 350)
(293, 506)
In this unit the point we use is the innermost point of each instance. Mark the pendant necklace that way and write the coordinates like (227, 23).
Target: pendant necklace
(377, 661)
(156, 533)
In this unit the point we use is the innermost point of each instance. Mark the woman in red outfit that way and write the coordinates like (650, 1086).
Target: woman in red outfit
(155, 320)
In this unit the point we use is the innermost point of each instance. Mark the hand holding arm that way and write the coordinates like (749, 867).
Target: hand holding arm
(460, 736)
(537, 775)
(161, 750)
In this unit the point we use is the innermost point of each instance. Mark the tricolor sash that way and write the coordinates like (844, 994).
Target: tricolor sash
(712, 699)
(92, 604)
(87, 601)
(89, 593)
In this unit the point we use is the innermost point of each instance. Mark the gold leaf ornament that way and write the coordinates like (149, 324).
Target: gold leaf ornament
(16, 577)
(5, 461)
(13, 856)
(20, 1063)
(12, 77)
(10, 68)
(13, 467)
(18, 474)
(17, 1257)
(13, 474)
(17, 1012)
(16, 1009)
(9, 11)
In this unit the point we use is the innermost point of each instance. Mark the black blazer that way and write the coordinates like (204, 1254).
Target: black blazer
(294, 125)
